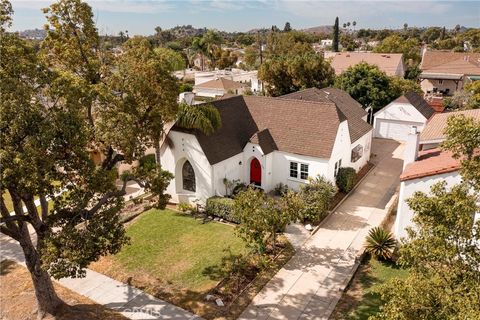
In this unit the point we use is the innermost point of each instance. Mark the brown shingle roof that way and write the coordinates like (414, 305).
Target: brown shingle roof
(429, 163)
(294, 126)
(418, 102)
(347, 105)
(387, 62)
(451, 62)
(435, 127)
(221, 83)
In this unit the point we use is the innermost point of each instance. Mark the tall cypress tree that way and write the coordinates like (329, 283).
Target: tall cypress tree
(335, 35)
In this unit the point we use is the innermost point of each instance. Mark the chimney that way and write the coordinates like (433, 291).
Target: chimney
(411, 147)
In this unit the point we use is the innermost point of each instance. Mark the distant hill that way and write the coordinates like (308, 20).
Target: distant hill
(35, 34)
(186, 31)
(319, 29)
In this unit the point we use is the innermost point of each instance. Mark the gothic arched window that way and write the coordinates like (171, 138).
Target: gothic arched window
(188, 177)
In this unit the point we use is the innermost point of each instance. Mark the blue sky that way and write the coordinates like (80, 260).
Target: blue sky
(141, 17)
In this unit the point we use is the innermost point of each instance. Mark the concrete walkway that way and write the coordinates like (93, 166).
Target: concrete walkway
(311, 283)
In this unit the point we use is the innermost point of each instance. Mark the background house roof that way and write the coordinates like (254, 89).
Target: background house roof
(417, 102)
(435, 127)
(294, 126)
(221, 83)
(442, 62)
(347, 105)
(430, 162)
(387, 62)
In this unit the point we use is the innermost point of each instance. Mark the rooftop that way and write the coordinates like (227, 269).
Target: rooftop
(418, 102)
(435, 127)
(221, 83)
(443, 63)
(275, 124)
(387, 62)
(430, 162)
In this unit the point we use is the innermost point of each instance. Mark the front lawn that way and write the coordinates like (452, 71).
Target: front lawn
(170, 255)
(360, 301)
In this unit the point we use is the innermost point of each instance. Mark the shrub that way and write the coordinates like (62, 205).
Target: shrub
(240, 187)
(316, 196)
(221, 207)
(380, 243)
(346, 179)
(186, 207)
(280, 189)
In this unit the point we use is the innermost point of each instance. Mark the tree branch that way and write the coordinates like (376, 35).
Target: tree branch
(44, 207)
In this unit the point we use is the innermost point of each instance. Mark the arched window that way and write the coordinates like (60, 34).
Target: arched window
(188, 176)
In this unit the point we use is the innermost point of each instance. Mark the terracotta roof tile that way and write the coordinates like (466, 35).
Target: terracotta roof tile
(387, 62)
(430, 162)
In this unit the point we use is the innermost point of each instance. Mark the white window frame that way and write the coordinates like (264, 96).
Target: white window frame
(298, 169)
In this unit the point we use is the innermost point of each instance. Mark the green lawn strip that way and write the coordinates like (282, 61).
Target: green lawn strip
(177, 248)
(378, 273)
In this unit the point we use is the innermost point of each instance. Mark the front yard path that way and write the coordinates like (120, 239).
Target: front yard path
(311, 283)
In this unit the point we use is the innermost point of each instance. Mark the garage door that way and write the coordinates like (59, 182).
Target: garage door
(396, 130)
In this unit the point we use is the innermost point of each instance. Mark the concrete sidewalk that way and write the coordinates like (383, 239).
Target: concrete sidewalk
(311, 283)
(127, 300)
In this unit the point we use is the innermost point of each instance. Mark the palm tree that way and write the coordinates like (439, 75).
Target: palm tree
(354, 23)
(203, 117)
(344, 26)
(199, 47)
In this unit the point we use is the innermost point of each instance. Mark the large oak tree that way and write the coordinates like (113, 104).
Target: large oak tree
(57, 106)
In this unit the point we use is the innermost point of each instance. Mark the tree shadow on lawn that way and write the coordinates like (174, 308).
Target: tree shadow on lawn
(6, 266)
(360, 301)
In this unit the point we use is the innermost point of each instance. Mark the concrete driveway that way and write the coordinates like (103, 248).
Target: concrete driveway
(311, 283)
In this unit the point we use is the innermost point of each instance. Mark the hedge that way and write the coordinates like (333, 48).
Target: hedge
(221, 207)
(346, 179)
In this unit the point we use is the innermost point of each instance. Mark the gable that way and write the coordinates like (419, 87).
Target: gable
(401, 111)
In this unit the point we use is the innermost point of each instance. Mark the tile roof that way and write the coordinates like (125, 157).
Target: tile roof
(387, 62)
(418, 102)
(433, 131)
(442, 62)
(347, 105)
(430, 162)
(221, 83)
(294, 126)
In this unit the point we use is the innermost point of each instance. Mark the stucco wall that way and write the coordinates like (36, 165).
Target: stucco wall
(401, 112)
(366, 142)
(408, 188)
(186, 147)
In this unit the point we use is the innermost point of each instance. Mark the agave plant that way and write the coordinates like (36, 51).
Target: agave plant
(380, 243)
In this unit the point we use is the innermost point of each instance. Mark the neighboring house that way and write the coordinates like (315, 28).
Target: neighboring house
(395, 120)
(433, 134)
(423, 169)
(249, 78)
(443, 73)
(266, 141)
(390, 63)
(219, 87)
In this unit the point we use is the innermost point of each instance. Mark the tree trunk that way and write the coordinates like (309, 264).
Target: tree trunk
(158, 152)
(47, 299)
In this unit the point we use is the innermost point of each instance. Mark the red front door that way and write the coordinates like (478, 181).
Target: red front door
(255, 172)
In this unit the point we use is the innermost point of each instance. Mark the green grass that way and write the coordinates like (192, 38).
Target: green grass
(378, 273)
(176, 248)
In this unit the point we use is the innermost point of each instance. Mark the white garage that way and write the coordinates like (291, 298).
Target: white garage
(395, 130)
(396, 119)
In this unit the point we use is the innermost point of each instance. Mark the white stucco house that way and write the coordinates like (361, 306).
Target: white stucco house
(395, 120)
(423, 169)
(265, 141)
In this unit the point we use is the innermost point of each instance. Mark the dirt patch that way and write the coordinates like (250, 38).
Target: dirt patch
(17, 299)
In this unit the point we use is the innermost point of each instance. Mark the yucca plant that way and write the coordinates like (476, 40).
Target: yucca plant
(380, 243)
